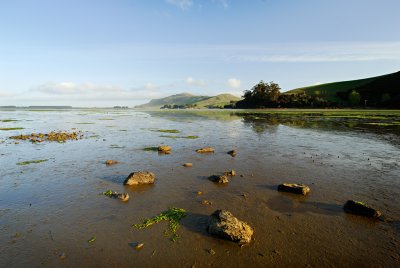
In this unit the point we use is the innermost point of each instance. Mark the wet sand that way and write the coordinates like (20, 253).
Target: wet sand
(53, 208)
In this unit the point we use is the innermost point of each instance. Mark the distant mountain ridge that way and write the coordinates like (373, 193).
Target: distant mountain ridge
(192, 100)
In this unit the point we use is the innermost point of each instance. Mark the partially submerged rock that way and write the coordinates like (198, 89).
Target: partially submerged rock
(140, 177)
(223, 224)
(123, 197)
(233, 153)
(294, 188)
(188, 165)
(219, 178)
(231, 173)
(165, 149)
(205, 150)
(111, 162)
(359, 208)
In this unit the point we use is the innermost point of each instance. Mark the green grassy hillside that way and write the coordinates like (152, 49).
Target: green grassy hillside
(178, 99)
(217, 101)
(370, 88)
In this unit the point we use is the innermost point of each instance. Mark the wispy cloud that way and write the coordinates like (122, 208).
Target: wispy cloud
(224, 3)
(193, 82)
(5, 93)
(182, 4)
(234, 83)
(69, 90)
(323, 52)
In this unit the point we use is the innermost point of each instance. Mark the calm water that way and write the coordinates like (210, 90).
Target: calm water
(54, 207)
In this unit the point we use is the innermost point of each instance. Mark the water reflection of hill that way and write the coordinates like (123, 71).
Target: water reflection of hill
(382, 124)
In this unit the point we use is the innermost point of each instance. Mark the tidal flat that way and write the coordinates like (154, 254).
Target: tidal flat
(53, 213)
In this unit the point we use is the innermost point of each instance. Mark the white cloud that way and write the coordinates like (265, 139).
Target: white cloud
(193, 82)
(182, 4)
(224, 3)
(4, 93)
(90, 91)
(69, 88)
(234, 83)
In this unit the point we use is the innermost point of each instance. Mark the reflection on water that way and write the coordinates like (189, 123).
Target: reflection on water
(53, 208)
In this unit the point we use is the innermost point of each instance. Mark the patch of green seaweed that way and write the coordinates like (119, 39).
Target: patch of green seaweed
(180, 137)
(150, 149)
(172, 215)
(31, 162)
(11, 128)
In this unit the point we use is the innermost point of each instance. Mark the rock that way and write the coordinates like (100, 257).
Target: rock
(188, 165)
(294, 188)
(219, 178)
(359, 208)
(123, 197)
(211, 251)
(199, 192)
(140, 177)
(233, 153)
(206, 202)
(205, 150)
(165, 149)
(111, 162)
(139, 246)
(231, 173)
(223, 224)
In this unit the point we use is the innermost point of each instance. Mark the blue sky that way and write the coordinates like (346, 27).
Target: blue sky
(125, 52)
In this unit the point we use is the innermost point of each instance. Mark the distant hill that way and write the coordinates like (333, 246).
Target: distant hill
(189, 99)
(377, 90)
(218, 101)
(178, 99)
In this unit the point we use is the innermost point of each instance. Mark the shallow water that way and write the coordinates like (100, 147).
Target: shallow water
(54, 207)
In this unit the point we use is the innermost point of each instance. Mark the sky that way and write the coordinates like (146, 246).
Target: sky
(125, 52)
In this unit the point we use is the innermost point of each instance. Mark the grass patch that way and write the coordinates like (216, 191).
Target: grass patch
(105, 119)
(150, 149)
(11, 128)
(168, 130)
(180, 137)
(172, 215)
(32, 162)
(116, 146)
(8, 120)
(85, 123)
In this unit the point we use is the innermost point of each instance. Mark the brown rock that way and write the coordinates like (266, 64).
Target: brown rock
(111, 162)
(233, 153)
(165, 149)
(223, 224)
(188, 165)
(231, 173)
(359, 208)
(123, 197)
(294, 188)
(140, 177)
(219, 178)
(205, 150)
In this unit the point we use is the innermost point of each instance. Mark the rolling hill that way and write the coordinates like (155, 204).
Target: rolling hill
(178, 99)
(189, 99)
(218, 101)
(375, 90)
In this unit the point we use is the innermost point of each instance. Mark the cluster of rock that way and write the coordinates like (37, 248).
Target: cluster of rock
(351, 206)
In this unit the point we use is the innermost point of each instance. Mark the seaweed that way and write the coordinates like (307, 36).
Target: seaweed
(32, 162)
(91, 240)
(172, 215)
(168, 130)
(11, 128)
(180, 137)
(150, 149)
